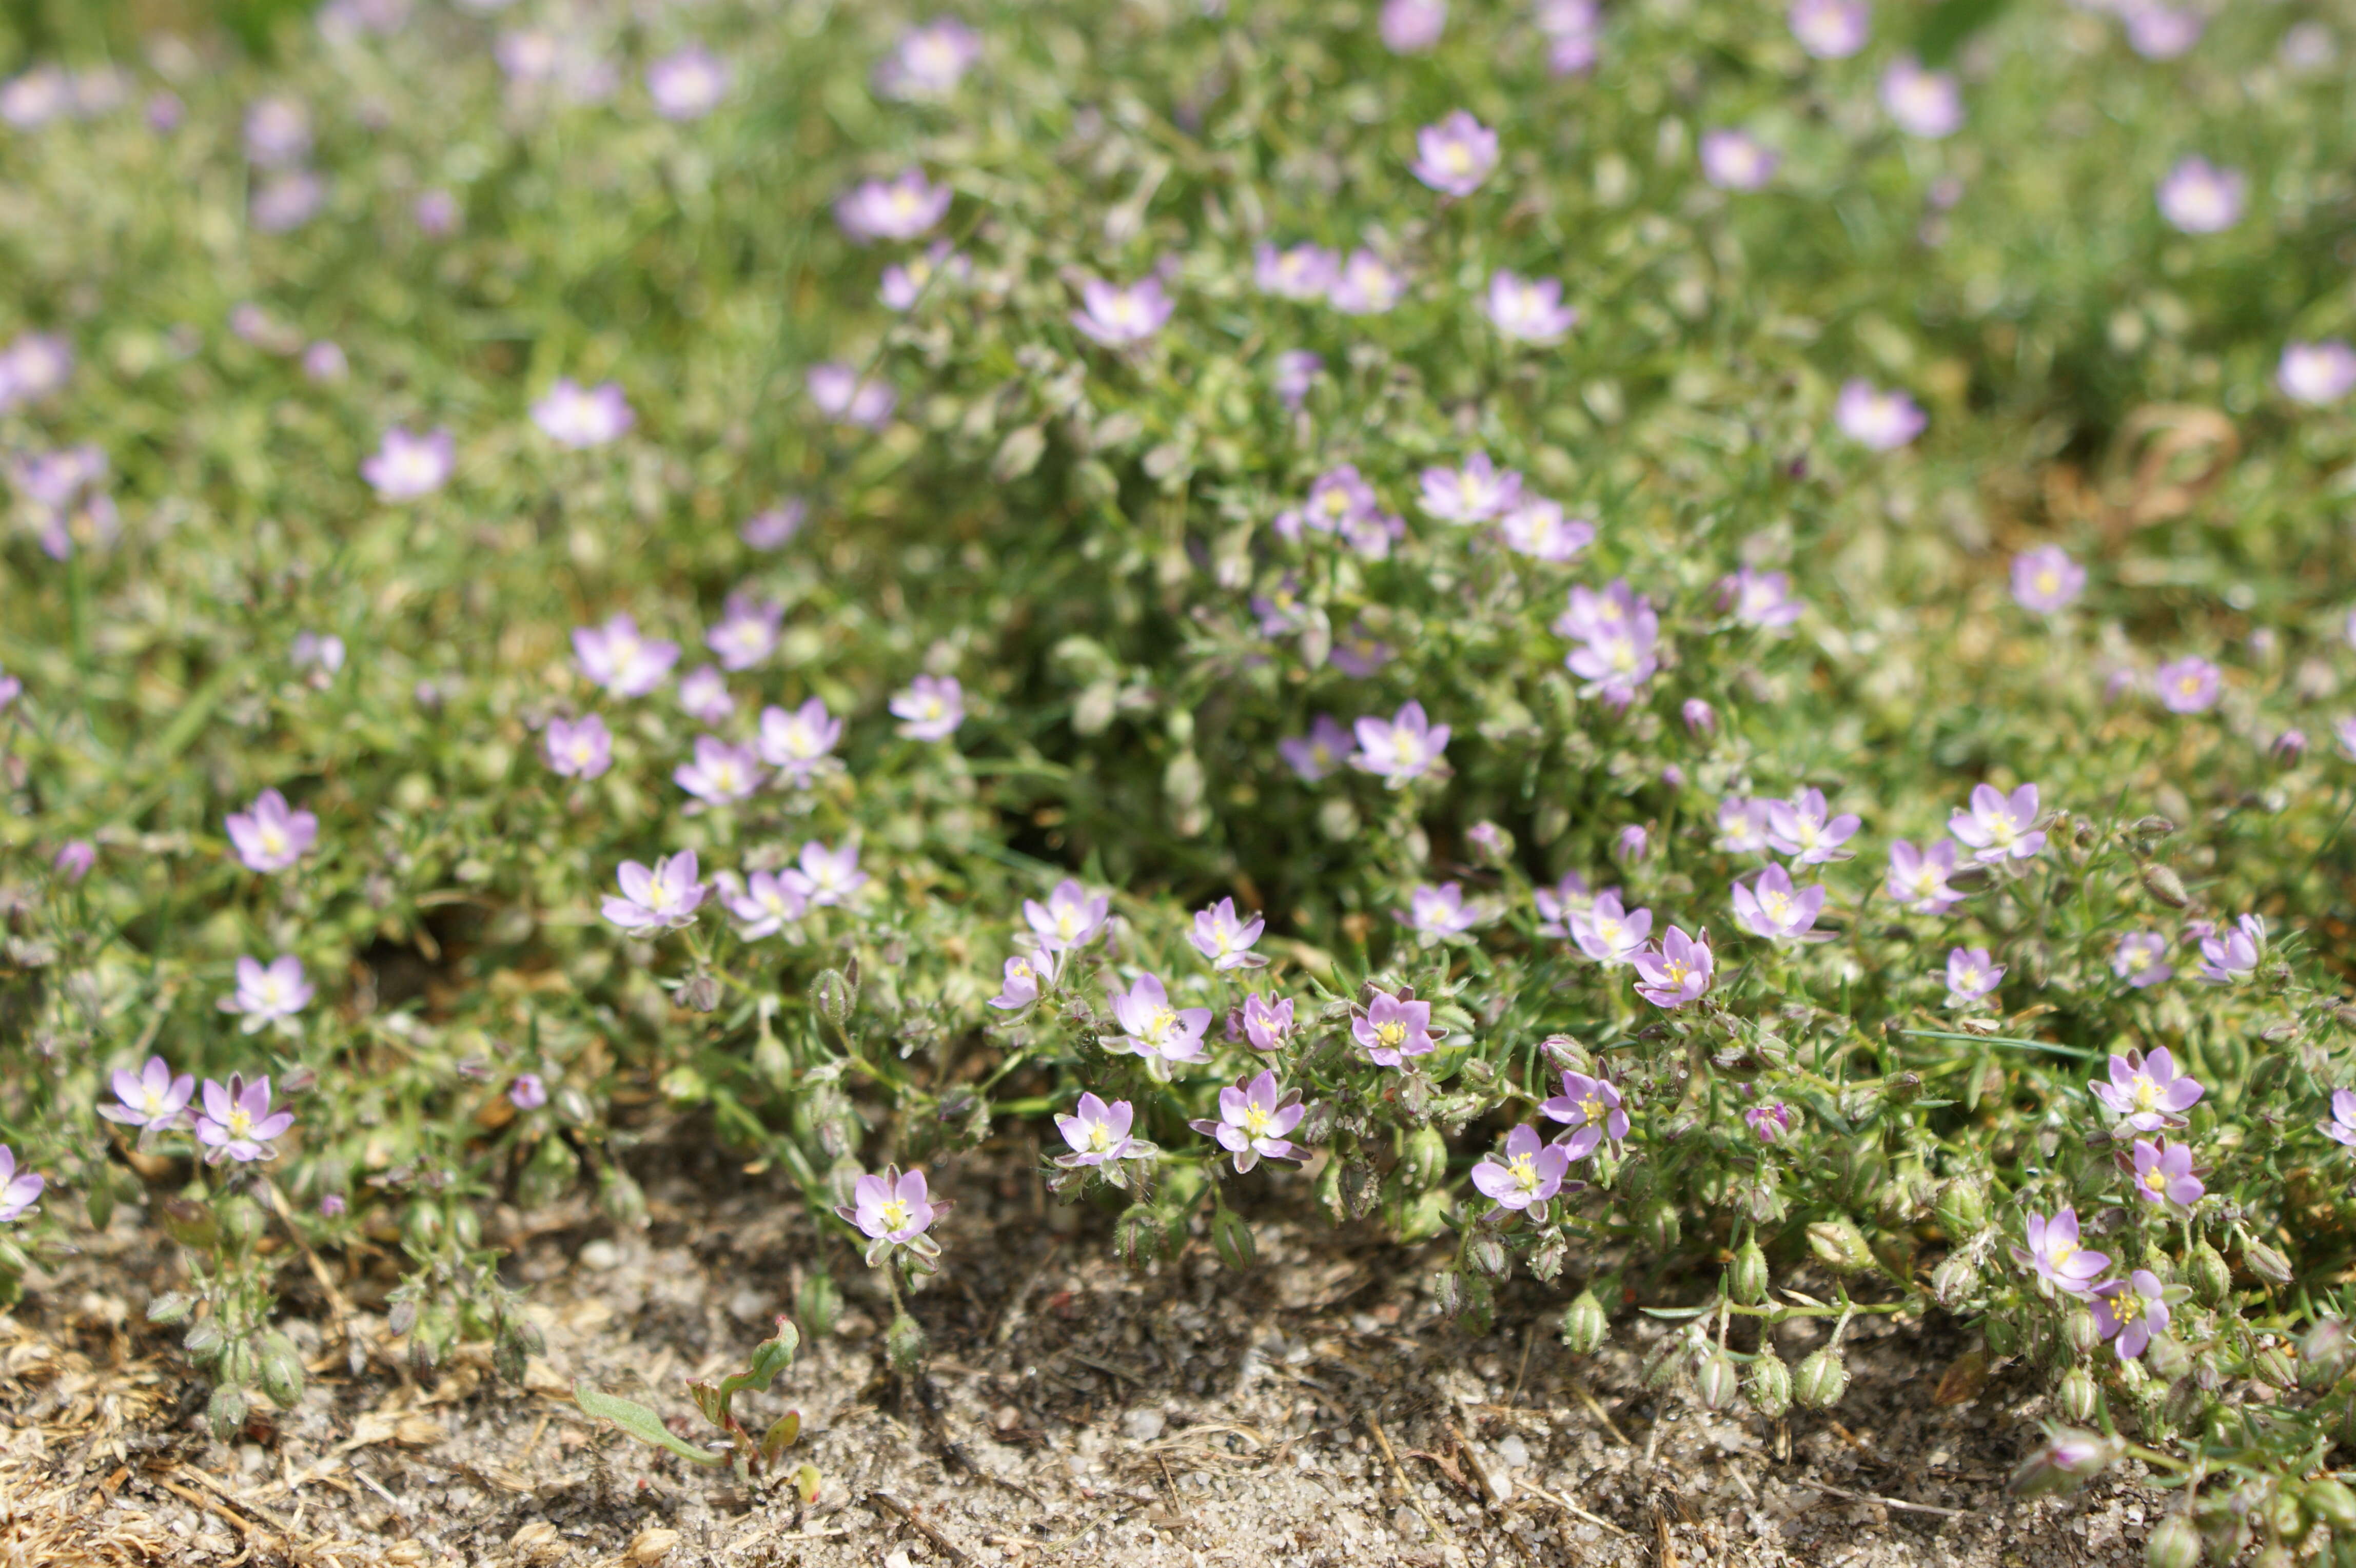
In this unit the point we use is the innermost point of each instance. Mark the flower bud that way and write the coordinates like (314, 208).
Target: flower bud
(1820, 1381)
(1490, 844)
(1659, 1224)
(227, 1411)
(2076, 1397)
(834, 995)
(1954, 1279)
(620, 1197)
(2324, 1354)
(2166, 1358)
(702, 992)
(1746, 1278)
(1583, 1324)
(1448, 1290)
(2165, 886)
(2080, 1332)
(2068, 1460)
(1486, 1253)
(1839, 1246)
(1962, 1208)
(171, 1307)
(1770, 1387)
(2271, 1364)
(2266, 1262)
(2173, 1543)
(1425, 1157)
(904, 1343)
(2289, 748)
(2212, 1281)
(1699, 717)
(1231, 1238)
(1717, 1382)
(281, 1369)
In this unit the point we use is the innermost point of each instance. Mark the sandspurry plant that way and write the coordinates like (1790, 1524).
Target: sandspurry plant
(1307, 503)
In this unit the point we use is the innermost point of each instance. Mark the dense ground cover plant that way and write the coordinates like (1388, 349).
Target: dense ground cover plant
(1703, 646)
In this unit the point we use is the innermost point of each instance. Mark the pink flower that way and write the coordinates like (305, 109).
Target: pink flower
(1303, 272)
(1411, 27)
(1970, 975)
(1732, 160)
(1401, 749)
(704, 696)
(1926, 104)
(2128, 1311)
(1155, 1030)
(1366, 285)
(404, 467)
(2055, 1257)
(152, 1098)
(527, 1092)
(663, 899)
(1608, 933)
(828, 877)
(1742, 825)
(720, 773)
(688, 83)
(1831, 29)
(1313, 755)
(894, 1210)
(1253, 1120)
(615, 657)
(2341, 1127)
(2163, 1174)
(268, 994)
(904, 208)
(799, 744)
(1760, 598)
(1529, 1173)
(1437, 913)
(1877, 420)
(929, 61)
(1296, 370)
(2316, 373)
(1769, 907)
(1026, 975)
(1527, 310)
(1562, 903)
(18, 1189)
(1676, 971)
(839, 393)
(1226, 938)
(2233, 957)
(2157, 32)
(577, 417)
(1770, 1123)
(268, 836)
(748, 632)
(2141, 960)
(237, 1123)
(2199, 198)
(1072, 917)
(905, 283)
(2188, 686)
(285, 202)
(278, 132)
(1474, 493)
(770, 530)
(1539, 529)
(2046, 581)
(1267, 1028)
(1800, 828)
(766, 902)
(1098, 1134)
(1391, 1030)
(1594, 1110)
(1918, 878)
(931, 708)
(1454, 156)
(2000, 827)
(1117, 316)
(74, 858)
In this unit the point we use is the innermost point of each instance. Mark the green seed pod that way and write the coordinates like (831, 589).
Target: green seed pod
(2166, 1358)
(1231, 1238)
(2077, 1396)
(171, 1307)
(281, 1369)
(1770, 1387)
(1425, 1158)
(1962, 1208)
(1820, 1381)
(1955, 1278)
(1480, 1304)
(2267, 1263)
(619, 1195)
(1839, 1246)
(1136, 1235)
(2286, 1515)
(1662, 1366)
(1661, 1228)
(2080, 1331)
(1583, 1324)
(905, 1342)
(1487, 1255)
(421, 1228)
(227, 1411)
(1746, 1278)
(2165, 886)
(2272, 1365)
(2173, 1543)
(2324, 1354)
(1717, 1382)
(466, 1226)
(1448, 1289)
(2212, 1281)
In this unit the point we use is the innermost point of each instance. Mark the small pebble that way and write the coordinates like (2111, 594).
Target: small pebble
(600, 1256)
(1143, 1425)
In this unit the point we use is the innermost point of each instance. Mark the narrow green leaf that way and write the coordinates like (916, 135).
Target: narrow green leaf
(641, 1422)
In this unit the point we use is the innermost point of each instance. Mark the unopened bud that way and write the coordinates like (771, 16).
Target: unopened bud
(1231, 1238)
(2324, 1354)
(171, 1308)
(1717, 1381)
(1488, 844)
(1746, 1278)
(1962, 1208)
(2173, 1543)
(1486, 1253)
(1425, 1158)
(700, 993)
(1662, 1366)
(834, 996)
(904, 1343)
(281, 1369)
(1662, 1228)
(226, 1410)
(2266, 1262)
(1770, 1387)
(2080, 1331)
(2165, 886)
(1839, 1246)
(2271, 1364)
(1699, 717)
(1583, 1324)
(1448, 1290)
(2212, 1280)
(2154, 828)
(2068, 1460)
(1820, 1381)
(2166, 1358)
(2076, 1396)
(1954, 1279)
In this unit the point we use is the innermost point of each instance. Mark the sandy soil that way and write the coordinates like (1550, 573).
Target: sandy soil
(1315, 1411)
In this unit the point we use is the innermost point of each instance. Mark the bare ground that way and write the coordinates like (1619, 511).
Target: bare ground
(1315, 1411)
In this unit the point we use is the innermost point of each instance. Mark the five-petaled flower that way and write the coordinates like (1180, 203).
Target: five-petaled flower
(828, 877)
(625, 663)
(152, 1098)
(903, 207)
(1254, 1117)
(2163, 1173)
(1474, 493)
(1323, 749)
(722, 772)
(1394, 1028)
(2000, 827)
(2054, 1256)
(1802, 828)
(1918, 877)
(663, 899)
(267, 994)
(1877, 420)
(1267, 1027)
(2141, 959)
(1971, 976)
(2341, 1126)
(2188, 686)
(1527, 310)
(405, 467)
(1226, 938)
(1594, 1110)
(1026, 975)
(1455, 155)
(1099, 1133)
(931, 707)
(578, 748)
(2128, 1311)
(1769, 907)
(578, 417)
(1437, 913)
(2147, 1091)
(19, 1189)
(1071, 918)
(2199, 198)
(237, 1123)
(1530, 1172)
(1155, 1030)
(1400, 749)
(894, 1210)
(2232, 957)
(1677, 970)
(269, 836)
(798, 742)
(765, 901)
(747, 632)
(2316, 373)
(2046, 581)
(1117, 316)
(1608, 933)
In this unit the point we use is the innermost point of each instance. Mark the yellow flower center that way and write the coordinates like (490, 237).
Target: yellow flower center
(1392, 1035)
(241, 1121)
(1257, 1120)
(1591, 1107)
(894, 1215)
(1524, 1169)
(2147, 1093)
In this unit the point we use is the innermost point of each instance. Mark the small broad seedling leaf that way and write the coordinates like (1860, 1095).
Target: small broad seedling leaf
(641, 1422)
(780, 1436)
